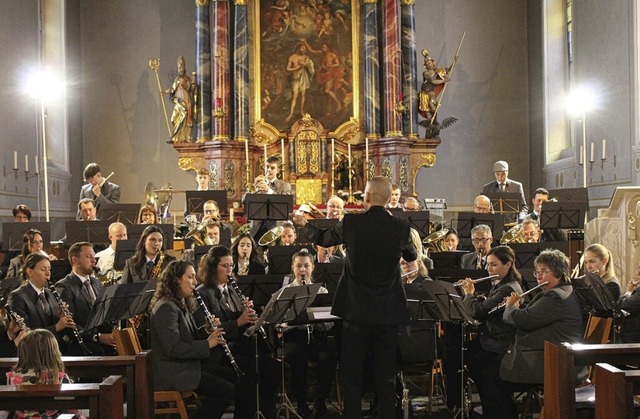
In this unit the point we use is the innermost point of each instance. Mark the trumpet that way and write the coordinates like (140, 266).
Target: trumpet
(209, 317)
(504, 303)
(474, 281)
(64, 311)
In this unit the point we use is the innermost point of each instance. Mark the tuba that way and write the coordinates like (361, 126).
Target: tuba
(434, 242)
(271, 237)
(513, 235)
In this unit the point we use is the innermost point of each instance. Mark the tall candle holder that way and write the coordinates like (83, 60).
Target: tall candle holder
(351, 199)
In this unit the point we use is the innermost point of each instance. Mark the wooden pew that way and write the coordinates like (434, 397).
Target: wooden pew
(615, 391)
(104, 400)
(559, 371)
(136, 369)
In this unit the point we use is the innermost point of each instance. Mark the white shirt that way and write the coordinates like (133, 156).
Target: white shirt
(105, 258)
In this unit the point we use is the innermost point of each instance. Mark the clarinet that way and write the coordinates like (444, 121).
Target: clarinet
(64, 310)
(16, 318)
(209, 317)
(243, 299)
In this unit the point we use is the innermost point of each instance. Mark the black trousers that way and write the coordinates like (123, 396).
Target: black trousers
(219, 394)
(381, 342)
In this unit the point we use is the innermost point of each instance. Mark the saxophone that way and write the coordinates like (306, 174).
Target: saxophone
(155, 273)
(64, 310)
(243, 266)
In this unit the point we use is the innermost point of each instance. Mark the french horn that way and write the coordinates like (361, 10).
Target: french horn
(434, 242)
(513, 235)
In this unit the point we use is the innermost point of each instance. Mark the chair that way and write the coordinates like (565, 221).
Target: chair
(128, 344)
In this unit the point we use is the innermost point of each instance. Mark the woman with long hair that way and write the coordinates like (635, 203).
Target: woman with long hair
(485, 354)
(245, 255)
(149, 259)
(179, 356)
(148, 215)
(32, 242)
(598, 260)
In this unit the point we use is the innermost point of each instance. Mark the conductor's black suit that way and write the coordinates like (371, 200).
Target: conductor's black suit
(370, 299)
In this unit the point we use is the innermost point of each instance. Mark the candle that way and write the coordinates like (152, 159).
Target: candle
(15, 160)
(26, 162)
(246, 153)
(604, 149)
(366, 150)
(218, 102)
(265, 155)
(333, 151)
(400, 97)
(35, 163)
(593, 149)
(581, 155)
(282, 147)
(349, 148)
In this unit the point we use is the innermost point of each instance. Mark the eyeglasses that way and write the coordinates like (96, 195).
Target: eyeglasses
(541, 273)
(227, 265)
(482, 240)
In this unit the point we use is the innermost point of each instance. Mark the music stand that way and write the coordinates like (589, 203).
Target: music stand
(95, 232)
(123, 213)
(594, 295)
(134, 232)
(418, 220)
(526, 253)
(328, 274)
(505, 202)
(467, 220)
(280, 257)
(6, 286)
(268, 206)
(259, 288)
(447, 260)
(563, 215)
(59, 269)
(12, 234)
(120, 302)
(124, 250)
(323, 223)
(570, 194)
(196, 200)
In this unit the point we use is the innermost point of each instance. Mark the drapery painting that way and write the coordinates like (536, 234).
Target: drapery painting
(306, 61)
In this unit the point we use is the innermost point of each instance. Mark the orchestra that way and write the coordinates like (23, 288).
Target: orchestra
(379, 257)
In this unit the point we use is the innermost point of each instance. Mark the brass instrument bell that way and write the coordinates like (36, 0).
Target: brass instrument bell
(269, 238)
(434, 242)
(513, 235)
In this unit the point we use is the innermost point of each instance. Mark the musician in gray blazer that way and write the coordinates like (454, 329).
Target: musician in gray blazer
(553, 315)
(179, 356)
(99, 189)
(504, 184)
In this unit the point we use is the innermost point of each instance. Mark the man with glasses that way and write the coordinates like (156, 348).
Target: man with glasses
(411, 204)
(481, 238)
(482, 205)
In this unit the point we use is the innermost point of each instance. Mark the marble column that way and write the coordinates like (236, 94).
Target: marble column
(371, 85)
(241, 72)
(203, 71)
(409, 68)
(392, 83)
(220, 74)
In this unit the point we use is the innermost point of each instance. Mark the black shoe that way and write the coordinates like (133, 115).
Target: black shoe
(320, 408)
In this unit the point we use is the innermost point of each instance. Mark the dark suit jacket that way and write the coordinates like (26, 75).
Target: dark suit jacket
(631, 325)
(129, 274)
(370, 288)
(70, 290)
(110, 194)
(211, 298)
(552, 315)
(177, 353)
(470, 261)
(511, 186)
(24, 299)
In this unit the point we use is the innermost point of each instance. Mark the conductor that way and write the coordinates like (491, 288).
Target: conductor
(369, 298)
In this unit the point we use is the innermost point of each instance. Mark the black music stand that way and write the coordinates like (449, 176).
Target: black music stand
(59, 269)
(570, 194)
(328, 274)
(120, 302)
(418, 220)
(196, 200)
(467, 220)
(563, 215)
(134, 232)
(6, 286)
(12, 234)
(526, 253)
(124, 250)
(505, 202)
(123, 213)
(594, 296)
(259, 288)
(268, 206)
(280, 257)
(95, 232)
(323, 223)
(447, 260)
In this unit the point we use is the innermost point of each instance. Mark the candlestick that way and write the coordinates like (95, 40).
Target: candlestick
(35, 164)
(593, 149)
(282, 147)
(349, 148)
(246, 153)
(26, 162)
(333, 151)
(366, 150)
(581, 155)
(265, 155)
(604, 149)
(15, 160)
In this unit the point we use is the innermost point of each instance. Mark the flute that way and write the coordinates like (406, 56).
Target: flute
(474, 281)
(209, 317)
(64, 311)
(504, 303)
(106, 179)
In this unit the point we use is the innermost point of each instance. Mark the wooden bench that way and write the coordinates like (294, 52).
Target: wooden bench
(615, 391)
(104, 400)
(559, 371)
(136, 369)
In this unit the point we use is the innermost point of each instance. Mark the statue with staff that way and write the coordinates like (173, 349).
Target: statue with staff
(183, 95)
(434, 84)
